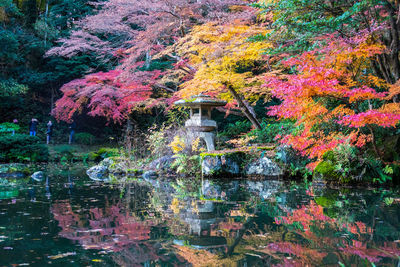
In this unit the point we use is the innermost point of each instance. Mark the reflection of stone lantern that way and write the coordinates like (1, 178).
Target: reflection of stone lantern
(200, 123)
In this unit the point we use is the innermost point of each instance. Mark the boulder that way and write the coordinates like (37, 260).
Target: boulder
(264, 167)
(107, 162)
(114, 166)
(98, 173)
(162, 164)
(229, 165)
(219, 165)
(211, 165)
(38, 176)
(150, 175)
(211, 190)
(14, 171)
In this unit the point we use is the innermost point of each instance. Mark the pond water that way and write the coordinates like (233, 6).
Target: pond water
(68, 220)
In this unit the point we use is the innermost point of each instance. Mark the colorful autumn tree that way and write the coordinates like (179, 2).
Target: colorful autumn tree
(297, 24)
(332, 94)
(128, 34)
(105, 94)
(139, 28)
(223, 60)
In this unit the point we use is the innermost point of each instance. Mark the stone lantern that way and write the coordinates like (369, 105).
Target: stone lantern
(200, 123)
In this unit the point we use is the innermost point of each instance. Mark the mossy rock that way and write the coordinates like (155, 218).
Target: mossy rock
(326, 169)
(325, 201)
(134, 172)
(15, 170)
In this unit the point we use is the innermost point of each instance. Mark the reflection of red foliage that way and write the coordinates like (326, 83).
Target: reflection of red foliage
(106, 228)
(297, 250)
(312, 215)
(306, 216)
(371, 254)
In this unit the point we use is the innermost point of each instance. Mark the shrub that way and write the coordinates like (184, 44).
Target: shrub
(237, 128)
(8, 128)
(270, 129)
(64, 152)
(84, 138)
(20, 147)
(185, 164)
(107, 152)
(157, 141)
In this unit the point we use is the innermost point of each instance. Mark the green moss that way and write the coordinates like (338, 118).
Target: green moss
(330, 155)
(211, 199)
(267, 148)
(106, 152)
(220, 153)
(327, 170)
(325, 201)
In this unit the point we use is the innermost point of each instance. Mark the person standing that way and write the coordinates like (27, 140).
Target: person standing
(15, 121)
(33, 127)
(49, 131)
(72, 127)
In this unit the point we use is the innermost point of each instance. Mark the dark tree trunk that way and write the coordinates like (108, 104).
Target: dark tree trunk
(243, 107)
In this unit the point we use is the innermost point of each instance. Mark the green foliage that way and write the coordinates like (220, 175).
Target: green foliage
(22, 148)
(64, 153)
(107, 152)
(84, 138)
(388, 200)
(299, 170)
(8, 128)
(10, 88)
(327, 169)
(304, 20)
(340, 165)
(270, 129)
(343, 165)
(185, 164)
(157, 141)
(325, 201)
(237, 128)
(9, 44)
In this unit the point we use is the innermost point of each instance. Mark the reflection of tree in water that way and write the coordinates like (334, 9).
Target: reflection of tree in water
(111, 225)
(272, 226)
(109, 228)
(305, 235)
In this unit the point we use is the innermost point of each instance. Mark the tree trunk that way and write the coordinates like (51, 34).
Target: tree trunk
(46, 14)
(148, 59)
(128, 132)
(243, 107)
(395, 45)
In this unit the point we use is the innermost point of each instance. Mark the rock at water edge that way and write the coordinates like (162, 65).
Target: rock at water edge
(265, 167)
(98, 173)
(38, 176)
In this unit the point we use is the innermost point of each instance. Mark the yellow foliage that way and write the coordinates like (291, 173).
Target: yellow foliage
(196, 145)
(391, 108)
(220, 53)
(175, 206)
(394, 90)
(241, 142)
(177, 145)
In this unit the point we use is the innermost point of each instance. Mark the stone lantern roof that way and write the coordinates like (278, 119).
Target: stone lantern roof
(200, 123)
(201, 100)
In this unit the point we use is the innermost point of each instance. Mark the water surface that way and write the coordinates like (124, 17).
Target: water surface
(69, 220)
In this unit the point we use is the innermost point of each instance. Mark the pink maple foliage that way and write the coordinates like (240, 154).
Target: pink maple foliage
(106, 94)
